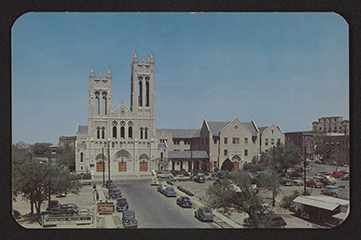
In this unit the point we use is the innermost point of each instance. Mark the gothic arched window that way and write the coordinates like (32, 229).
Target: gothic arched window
(98, 132)
(141, 133)
(140, 91)
(81, 157)
(122, 132)
(114, 131)
(103, 132)
(147, 91)
(146, 133)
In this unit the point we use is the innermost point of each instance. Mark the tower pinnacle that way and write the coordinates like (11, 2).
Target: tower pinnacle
(109, 74)
(135, 57)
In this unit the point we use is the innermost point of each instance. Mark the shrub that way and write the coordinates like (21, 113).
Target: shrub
(287, 200)
(216, 169)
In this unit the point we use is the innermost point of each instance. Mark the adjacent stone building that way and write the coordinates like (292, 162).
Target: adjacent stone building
(304, 141)
(332, 125)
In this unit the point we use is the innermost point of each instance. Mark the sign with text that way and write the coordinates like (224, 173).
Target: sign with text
(105, 208)
(50, 220)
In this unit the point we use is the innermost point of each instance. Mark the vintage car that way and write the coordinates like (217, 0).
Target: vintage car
(154, 182)
(315, 183)
(53, 204)
(181, 177)
(330, 190)
(200, 178)
(169, 192)
(204, 214)
(83, 211)
(115, 193)
(286, 182)
(296, 181)
(122, 205)
(184, 201)
(129, 220)
(270, 221)
(68, 208)
(161, 188)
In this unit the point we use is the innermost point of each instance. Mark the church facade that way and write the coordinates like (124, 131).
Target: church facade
(126, 141)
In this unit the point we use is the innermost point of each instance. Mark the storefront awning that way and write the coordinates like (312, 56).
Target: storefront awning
(316, 203)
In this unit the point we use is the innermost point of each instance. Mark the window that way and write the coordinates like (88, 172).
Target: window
(81, 157)
(235, 140)
(103, 132)
(246, 141)
(98, 132)
(245, 152)
(163, 140)
(272, 141)
(147, 92)
(278, 141)
(122, 132)
(130, 132)
(114, 131)
(141, 133)
(104, 103)
(146, 133)
(266, 142)
(225, 140)
(272, 131)
(225, 152)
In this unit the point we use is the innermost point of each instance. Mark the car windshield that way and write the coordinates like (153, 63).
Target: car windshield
(170, 189)
(186, 199)
(122, 200)
(207, 210)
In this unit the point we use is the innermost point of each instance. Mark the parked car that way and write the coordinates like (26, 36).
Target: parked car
(321, 173)
(53, 204)
(109, 183)
(315, 183)
(161, 188)
(336, 174)
(204, 214)
(331, 179)
(83, 211)
(115, 193)
(308, 168)
(122, 204)
(325, 181)
(218, 181)
(60, 194)
(271, 221)
(181, 178)
(330, 190)
(345, 177)
(200, 178)
(154, 182)
(16, 214)
(218, 174)
(169, 192)
(184, 201)
(129, 219)
(296, 181)
(286, 182)
(69, 208)
(318, 162)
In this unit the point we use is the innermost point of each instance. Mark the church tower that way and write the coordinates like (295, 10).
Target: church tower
(100, 99)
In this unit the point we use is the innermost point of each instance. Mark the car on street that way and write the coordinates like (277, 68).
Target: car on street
(115, 193)
(129, 220)
(154, 182)
(218, 181)
(336, 174)
(286, 182)
(69, 208)
(219, 174)
(181, 177)
(321, 173)
(161, 188)
(204, 214)
(200, 178)
(169, 192)
(331, 179)
(83, 211)
(122, 204)
(330, 190)
(323, 180)
(270, 221)
(296, 181)
(16, 214)
(345, 177)
(184, 201)
(53, 204)
(315, 183)
(60, 194)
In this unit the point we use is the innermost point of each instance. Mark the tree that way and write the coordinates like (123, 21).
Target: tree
(238, 195)
(227, 165)
(35, 181)
(318, 143)
(41, 149)
(65, 156)
(162, 163)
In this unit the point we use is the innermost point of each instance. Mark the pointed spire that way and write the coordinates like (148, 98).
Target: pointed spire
(100, 74)
(92, 72)
(143, 60)
(135, 58)
(109, 74)
(151, 58)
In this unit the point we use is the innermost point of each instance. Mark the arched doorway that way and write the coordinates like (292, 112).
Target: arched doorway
(100, 164)
(143, 163)
(122, 156)
(236, 162)
(227, 165)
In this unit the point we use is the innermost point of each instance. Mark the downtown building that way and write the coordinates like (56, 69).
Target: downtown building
(126, 141)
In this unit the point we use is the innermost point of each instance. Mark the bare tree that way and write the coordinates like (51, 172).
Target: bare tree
(162, 163)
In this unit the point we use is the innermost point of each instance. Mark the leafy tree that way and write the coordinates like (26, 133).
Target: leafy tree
(41, 149)
(237, 195)
(34, 181)
(162, 163)
(19, 155)
(65, 156)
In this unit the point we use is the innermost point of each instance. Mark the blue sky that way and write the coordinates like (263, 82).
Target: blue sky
(288, 69)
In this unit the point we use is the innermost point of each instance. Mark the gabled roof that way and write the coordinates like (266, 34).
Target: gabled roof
(187, 154)
(216, 127)
(261, 129)
(181, 133)
(251, 127)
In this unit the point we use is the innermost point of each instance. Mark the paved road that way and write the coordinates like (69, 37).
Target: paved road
(154, 210)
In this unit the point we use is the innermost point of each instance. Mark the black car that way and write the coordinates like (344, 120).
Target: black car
(68, 208)
(271, 221)
(122, 205)
(115, 193)
(218, 181)
(53, 204)
(184, 201)
(129, 219)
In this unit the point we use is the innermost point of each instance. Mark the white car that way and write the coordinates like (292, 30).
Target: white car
(154, 182)
(181, 178)
(331, 179)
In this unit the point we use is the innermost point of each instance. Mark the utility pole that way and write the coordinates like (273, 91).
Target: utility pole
(103, 163)
(109, 161)
(273, 166)
(304, 170)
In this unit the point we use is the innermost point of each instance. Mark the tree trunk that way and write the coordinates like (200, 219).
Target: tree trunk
(31, 204)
